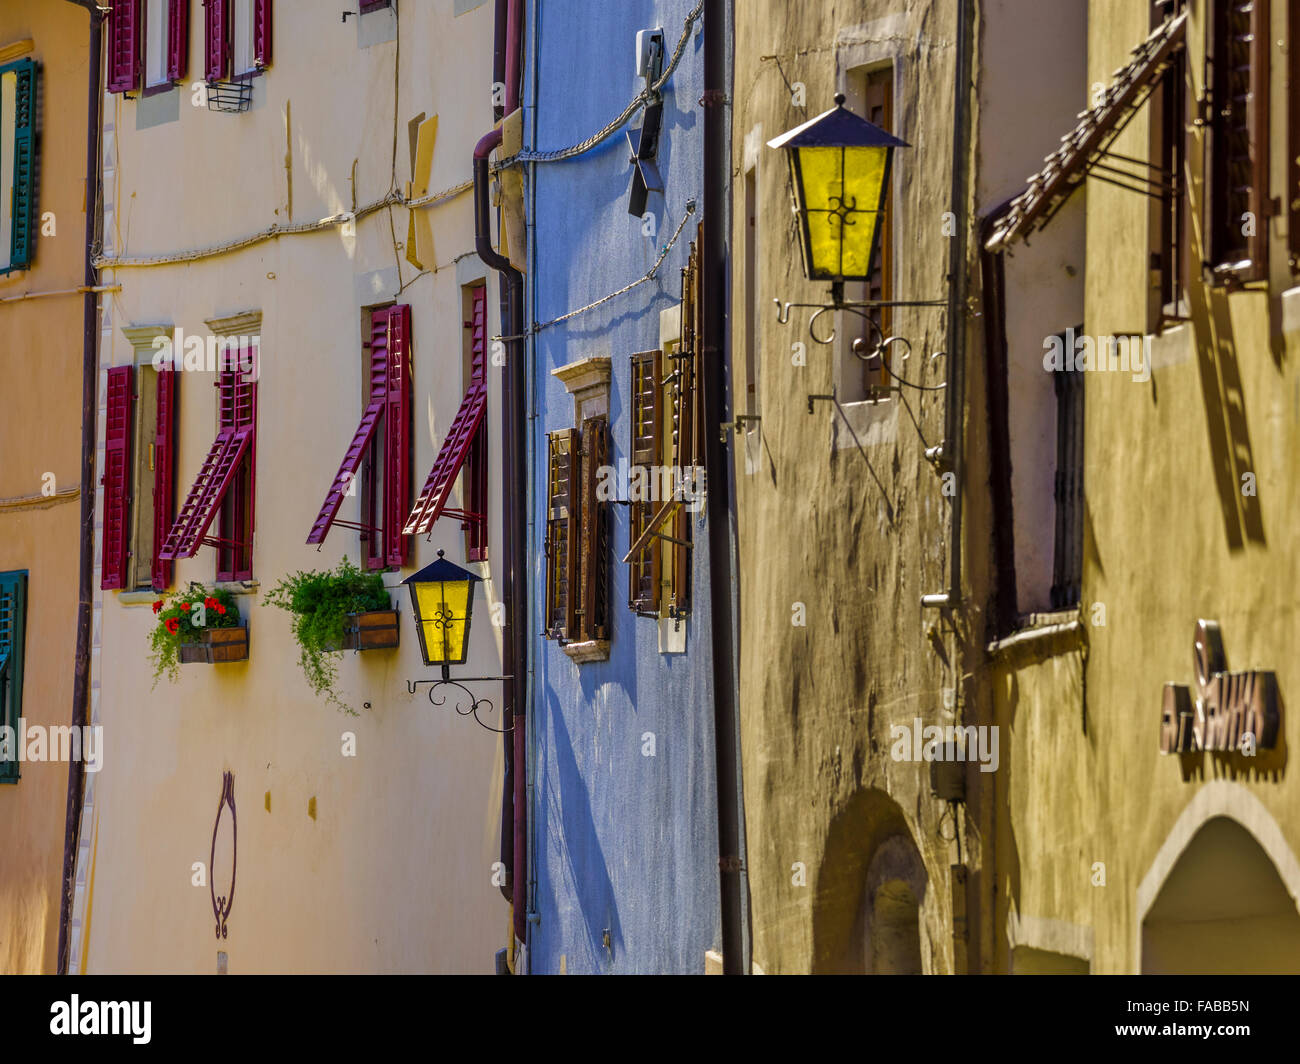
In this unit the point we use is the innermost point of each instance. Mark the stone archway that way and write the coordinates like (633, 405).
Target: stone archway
(1221, 895)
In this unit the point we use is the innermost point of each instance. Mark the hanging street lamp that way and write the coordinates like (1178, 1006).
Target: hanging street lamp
(442, 602)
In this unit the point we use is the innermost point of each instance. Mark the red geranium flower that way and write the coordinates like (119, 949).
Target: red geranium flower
(157, 607)
(172, 625)
(221, 608)
(210, 603)
(185, 606)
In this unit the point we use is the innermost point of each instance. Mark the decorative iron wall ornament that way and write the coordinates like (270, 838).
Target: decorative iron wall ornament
(222, 903)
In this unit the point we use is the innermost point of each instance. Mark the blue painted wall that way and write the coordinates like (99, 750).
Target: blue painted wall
(620, 841)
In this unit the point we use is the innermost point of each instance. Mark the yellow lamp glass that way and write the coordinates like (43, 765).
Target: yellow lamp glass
(839, 173)
(442, 599)
(842, 192)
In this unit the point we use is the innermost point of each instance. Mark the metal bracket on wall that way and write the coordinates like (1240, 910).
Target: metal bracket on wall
(737, 425)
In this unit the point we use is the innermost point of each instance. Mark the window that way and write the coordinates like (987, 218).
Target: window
(13, 627)
(456, 447)
(166, 41)
(138, 478)
(753, 318)
(18, 83)
(237, 37)
(577, 534)
(1067, 564)
(476, 461)
(225, 482)
(374, 5)
(1238, 195)
(871, 94)
(1169, 152)
(663, 486)
(381, 446)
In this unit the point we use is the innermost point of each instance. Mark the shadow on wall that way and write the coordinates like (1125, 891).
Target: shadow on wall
(871, 887)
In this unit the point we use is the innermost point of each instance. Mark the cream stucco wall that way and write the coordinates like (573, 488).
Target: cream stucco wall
(393, 871)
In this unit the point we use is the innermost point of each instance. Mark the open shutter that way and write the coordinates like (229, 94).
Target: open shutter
(178, 39)
(356, 451)
(476, 462)
(24, 165)
(124, 46)
(563, 466)
(437, 488)
(164, 472)
(216, 39)
(397, 443)
(261, 33)
(595, 531)
(116, 477)
(643, 571)
(1292, 198)
(684, 431)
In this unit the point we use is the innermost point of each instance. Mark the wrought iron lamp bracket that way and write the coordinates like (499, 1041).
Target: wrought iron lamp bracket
(462, 708)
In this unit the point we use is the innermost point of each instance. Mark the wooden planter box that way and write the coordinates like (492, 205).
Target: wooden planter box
(376, 630)
(217, 645)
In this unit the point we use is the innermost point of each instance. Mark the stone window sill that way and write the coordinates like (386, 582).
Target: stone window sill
(592, 650)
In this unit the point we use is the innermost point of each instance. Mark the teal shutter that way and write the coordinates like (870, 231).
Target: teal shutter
(24, 190)
(13, 616)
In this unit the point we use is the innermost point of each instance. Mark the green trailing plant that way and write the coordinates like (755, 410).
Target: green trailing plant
(182, 615)
(320, 603)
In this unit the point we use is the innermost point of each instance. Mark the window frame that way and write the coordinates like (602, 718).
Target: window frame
(20, 192)
(13, 583)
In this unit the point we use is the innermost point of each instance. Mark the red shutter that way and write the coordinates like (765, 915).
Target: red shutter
(397, 443)
(116, 478)
(124, 46)
(216, 39)
(261, 33)
(476, 464)
(356, 451)
(164, 473)
(178, 39)
(433, 497)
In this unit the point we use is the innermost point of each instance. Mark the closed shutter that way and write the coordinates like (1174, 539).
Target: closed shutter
(216, 39)
(116, 477)
(178, 39)
(124, 46)
(164, 473)
(261, 33)
(24, 179)
(13, 617)
(643, 570)
(476, 463)
(683, 436)
(397, 443)
(563, 466)
(1240, 208)
(1293, 136)
(595, 532)
(880, 112)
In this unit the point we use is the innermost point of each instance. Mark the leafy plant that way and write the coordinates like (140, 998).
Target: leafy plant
(182, 615)
(320, 602)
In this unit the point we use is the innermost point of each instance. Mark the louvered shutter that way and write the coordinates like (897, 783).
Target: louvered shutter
(643, 570)
(261, 33)
(1239, 143)
(116, 477)
(164, 472)
(476, 462)
(451, 456)
(1292, 198)
(178, 39)
(563, 464)
(216, 39)
(684, 432)
(595, 531)
(24, 166)
(13, 615)
(397, 443)
(124, 46)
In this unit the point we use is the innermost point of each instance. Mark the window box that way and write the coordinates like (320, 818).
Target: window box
(374, 630)
(217, 646)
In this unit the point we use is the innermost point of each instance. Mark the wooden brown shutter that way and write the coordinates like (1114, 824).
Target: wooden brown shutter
(1239, 142)
(643, 570)
(880, 111)
(117, 476)
(595, 531)
(563, 479)
(1293, 135)
(684, 443)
